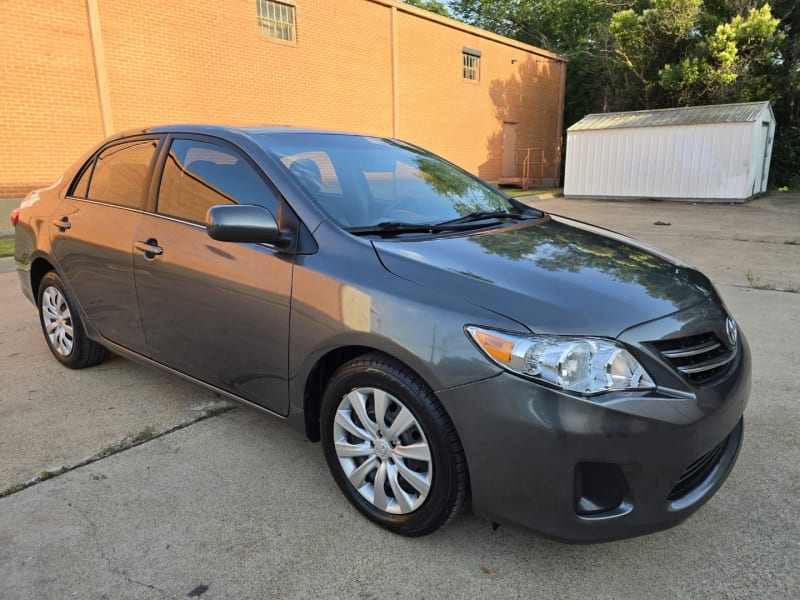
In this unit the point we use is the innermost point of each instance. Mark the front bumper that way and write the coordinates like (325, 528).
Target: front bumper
(533, 451)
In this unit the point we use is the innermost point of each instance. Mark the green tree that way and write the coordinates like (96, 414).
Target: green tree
(785, 169)
(645, 41)
(734, 63)
(433, 6)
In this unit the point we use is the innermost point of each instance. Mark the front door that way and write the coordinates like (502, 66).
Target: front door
(509, 150)
(217, 311)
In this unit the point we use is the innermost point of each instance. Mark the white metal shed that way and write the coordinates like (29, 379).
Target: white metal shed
(701, 153)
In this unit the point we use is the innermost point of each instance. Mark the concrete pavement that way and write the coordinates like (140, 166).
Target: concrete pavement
(52, 417)
(7, 264)
(240, 506)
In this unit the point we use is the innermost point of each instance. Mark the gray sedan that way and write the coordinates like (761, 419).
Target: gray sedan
(441, 340)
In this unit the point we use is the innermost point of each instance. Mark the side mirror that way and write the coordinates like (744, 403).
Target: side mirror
(243, 223)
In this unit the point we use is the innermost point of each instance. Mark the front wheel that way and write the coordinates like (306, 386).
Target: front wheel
(62, 326)
(391, 447)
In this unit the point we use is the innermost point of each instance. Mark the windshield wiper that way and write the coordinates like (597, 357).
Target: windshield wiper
(395, 227)
(483, 215)
(470, 221)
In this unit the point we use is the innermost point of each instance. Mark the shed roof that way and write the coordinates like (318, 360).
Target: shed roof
(745, 112)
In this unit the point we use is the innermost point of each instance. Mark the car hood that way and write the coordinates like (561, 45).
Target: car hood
(554, 275)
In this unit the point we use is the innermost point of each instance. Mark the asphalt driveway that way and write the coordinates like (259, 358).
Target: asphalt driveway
(237, 505)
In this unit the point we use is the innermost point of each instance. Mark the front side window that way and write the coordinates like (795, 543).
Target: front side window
(121, 174)
(276, 19)
(198, 175)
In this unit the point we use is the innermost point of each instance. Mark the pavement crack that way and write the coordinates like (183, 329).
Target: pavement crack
(131, 441)
(748, 286)
(103, 556)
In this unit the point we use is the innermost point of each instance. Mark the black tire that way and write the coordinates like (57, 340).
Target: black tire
(445, 466)
(58, 307)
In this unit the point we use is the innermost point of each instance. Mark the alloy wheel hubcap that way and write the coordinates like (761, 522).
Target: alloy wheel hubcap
(57, 321)
(383, 450)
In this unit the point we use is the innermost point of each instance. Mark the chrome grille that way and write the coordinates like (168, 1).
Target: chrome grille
(699, 358)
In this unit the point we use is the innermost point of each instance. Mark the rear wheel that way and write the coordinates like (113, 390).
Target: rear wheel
(391, 447)
(62, 326)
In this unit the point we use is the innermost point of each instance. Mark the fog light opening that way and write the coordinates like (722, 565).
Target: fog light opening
(599, 488)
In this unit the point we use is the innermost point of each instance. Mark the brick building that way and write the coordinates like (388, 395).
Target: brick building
(74, 71)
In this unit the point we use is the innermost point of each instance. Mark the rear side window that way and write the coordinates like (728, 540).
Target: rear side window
(198, 175)
(81, 187)
(121, 174)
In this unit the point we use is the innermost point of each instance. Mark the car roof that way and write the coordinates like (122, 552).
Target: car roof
(229, 130)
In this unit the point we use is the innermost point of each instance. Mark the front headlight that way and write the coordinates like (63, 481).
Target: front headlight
(583, 365)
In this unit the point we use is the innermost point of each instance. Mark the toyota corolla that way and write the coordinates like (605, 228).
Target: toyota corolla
(440, 339)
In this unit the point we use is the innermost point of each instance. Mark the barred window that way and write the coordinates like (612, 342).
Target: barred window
(472, 62)
(276, 19)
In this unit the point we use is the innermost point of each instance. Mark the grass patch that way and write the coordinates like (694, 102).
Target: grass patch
(216, 410)
(7, 247)
(148, 433)
(109, 450)
(515, 193)
(756, 283)
(45, 475)
(12, 489)
(519, 193)
(792, 242)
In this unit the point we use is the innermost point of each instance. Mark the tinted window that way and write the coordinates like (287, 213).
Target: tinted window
(121, 174)
(199, 175)
(81, 186)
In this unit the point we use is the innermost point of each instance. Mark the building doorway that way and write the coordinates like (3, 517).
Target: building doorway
(509, 151)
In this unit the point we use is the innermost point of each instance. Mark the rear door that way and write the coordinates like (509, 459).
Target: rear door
(217, 311)
(92, 237)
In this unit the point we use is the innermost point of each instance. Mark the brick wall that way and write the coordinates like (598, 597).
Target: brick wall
(205, 61)
(463, 120)
(49, 114)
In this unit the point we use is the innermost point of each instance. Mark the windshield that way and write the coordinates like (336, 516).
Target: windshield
(361, 182)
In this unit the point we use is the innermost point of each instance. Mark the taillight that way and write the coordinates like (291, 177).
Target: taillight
(15, 217)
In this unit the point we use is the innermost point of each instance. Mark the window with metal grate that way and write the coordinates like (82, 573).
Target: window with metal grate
(276, 20)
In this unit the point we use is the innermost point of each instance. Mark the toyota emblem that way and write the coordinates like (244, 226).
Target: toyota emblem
(732, 330)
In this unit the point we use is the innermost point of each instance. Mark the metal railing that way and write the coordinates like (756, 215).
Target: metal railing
(532, 162)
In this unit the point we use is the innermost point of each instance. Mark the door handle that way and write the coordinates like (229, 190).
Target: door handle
(150, 248)
(62, 224)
